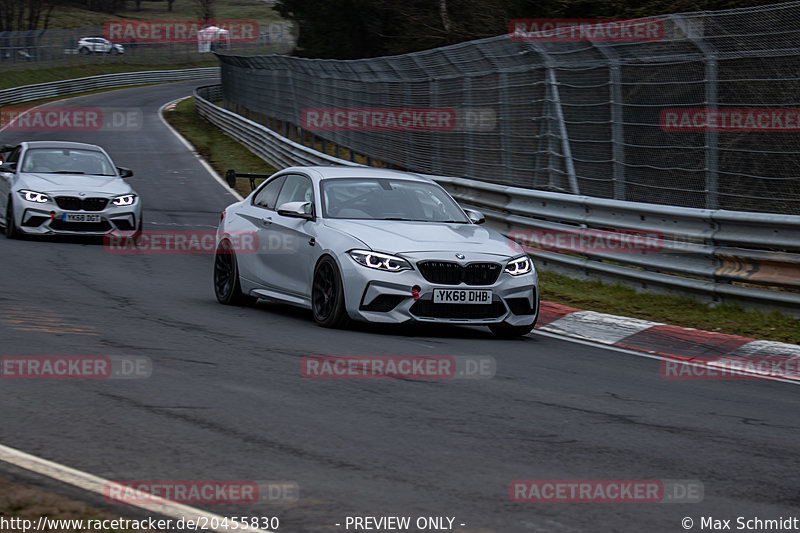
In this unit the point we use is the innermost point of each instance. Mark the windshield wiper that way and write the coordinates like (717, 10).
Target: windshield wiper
(66, 172)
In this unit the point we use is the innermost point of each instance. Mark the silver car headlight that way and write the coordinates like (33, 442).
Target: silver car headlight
(33, 196)
(519, 265)
(379, 261)
(124, 200)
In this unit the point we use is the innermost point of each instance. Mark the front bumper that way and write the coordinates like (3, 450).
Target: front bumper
(48, 219)
(389, 297)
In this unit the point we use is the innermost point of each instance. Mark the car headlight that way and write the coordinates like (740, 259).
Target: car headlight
(125, 199)
(33, 196)
(379, 261)
(519, 265)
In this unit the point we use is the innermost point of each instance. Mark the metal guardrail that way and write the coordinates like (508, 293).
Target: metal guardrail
(751, 258)
(270, 146)
(27, 93)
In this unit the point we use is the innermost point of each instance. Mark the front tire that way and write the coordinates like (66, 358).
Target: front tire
(11, 227)
(327, 295)
(227, 286)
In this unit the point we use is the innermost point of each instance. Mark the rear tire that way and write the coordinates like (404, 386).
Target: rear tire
(327, 295)
(11, 227)
(84, 51)
(506, 331)
(227, 286)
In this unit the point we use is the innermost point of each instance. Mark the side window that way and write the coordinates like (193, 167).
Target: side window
(12, 156)
(269, 193)
(296, 188)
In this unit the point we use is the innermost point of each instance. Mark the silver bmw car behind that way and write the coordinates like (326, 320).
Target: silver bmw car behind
(66, 188)
(372, 245)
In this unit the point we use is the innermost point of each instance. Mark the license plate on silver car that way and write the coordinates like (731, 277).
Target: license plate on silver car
(462, 296)
(79, 217)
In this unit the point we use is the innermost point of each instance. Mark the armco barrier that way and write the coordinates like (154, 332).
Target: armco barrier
(27, 93)
(751, 258)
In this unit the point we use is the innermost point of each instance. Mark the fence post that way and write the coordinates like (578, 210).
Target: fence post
(505, 129)
(436, 137)
(709, 51)
(469, 148)
(562, 127)
(617, 118)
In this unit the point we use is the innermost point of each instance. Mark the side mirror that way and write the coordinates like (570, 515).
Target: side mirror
(296, 210)
(476, 217)
(124, 172)
(8, 167)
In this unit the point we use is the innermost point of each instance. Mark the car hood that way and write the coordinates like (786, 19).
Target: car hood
(73, 183)
(393, 236)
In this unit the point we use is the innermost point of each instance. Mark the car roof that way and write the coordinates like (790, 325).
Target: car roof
(61, 144)
(342, 171)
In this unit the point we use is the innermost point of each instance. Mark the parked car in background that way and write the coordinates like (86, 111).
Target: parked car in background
(99, 45)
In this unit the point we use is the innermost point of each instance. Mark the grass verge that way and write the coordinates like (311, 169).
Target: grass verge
(224, 152)
(18, 500)
(617, 299)
(220, 150)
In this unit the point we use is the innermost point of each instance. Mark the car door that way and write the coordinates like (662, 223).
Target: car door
(256, 217)
(7, 180)
(288, 243)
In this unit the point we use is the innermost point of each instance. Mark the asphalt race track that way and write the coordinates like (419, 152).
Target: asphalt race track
(227, 401)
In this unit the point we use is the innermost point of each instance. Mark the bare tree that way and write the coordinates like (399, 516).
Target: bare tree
(205, 9)
(20, 15)
(443, 14)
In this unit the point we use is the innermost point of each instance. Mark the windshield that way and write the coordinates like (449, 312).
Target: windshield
(67, 161)
(388, 199)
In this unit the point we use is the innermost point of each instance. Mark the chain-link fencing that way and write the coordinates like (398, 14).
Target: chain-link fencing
(705, 115)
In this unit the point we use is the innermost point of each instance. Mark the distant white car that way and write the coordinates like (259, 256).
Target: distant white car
(99, 45)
